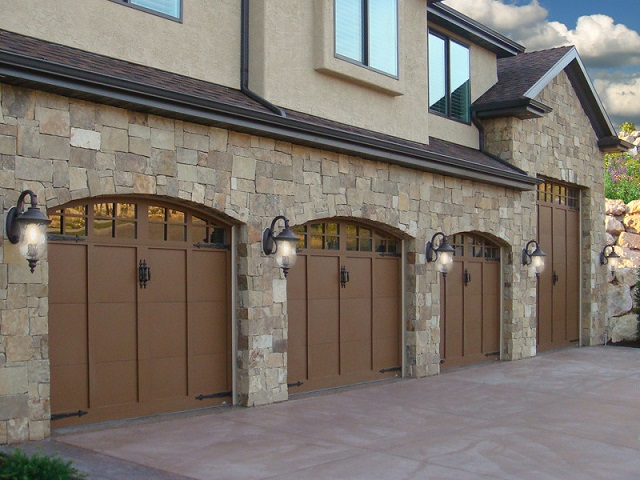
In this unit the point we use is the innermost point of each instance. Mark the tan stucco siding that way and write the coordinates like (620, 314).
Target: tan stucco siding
(484, 74)
(293, 65)
(191, 48)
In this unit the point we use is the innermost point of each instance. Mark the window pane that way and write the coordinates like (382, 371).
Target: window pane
(168, 7)
(437, 75)
(460, 75)
(348, 18)
(383, 35)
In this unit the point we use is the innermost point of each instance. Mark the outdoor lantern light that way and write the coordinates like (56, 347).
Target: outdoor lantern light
(28, 229)
(532, 255)
(442, 253)
(608, 256)
(283, 246)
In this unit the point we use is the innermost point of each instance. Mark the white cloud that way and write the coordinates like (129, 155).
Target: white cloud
(599, 40)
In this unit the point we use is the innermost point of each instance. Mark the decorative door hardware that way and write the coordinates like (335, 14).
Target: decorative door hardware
(296, 384)
(555, 278)
(392, 369)
(467, 277)
(58, 416)
(344, 276)
(214, 395)
(144, 273)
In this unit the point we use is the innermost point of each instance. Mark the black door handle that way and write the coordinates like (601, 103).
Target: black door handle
(144, 273)
(344, 276)
(554, 278)
(467, 277)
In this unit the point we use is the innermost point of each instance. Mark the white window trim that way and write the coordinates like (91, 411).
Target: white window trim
(127, 3)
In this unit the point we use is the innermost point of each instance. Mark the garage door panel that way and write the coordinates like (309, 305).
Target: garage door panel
(68, 349)
(69, 265)
(359, 284)
(206, 376)
(324, 284)
(324, 360)
(163, 377)
(207, 327)
(454, 313)
(113, 332)
(355, 319)
(386, 353)
(69, 387)
(113, 272)
(208, 276)
(114, 383)
(297, 356)
(163, 331)
(168, 276)
(386, 317)
(324, 321)
(356, 356)
(386, 277)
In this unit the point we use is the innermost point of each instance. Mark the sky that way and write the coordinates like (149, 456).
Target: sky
(606, 34)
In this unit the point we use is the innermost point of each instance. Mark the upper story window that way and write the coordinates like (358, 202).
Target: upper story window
(367, 33)
(449, 78)
(168, 8)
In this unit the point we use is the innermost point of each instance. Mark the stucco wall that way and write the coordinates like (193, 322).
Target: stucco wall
(119, 31)
(66, 149)
(563, 146)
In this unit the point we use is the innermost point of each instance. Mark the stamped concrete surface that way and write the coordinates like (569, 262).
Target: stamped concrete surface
(573, 413)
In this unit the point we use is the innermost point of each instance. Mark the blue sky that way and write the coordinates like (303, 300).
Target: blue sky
(606, 34)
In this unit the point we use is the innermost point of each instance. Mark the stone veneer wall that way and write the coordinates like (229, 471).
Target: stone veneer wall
(562, 146)
(65, 149)
(622, 225)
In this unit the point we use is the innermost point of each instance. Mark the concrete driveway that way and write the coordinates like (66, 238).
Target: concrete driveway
(572, 413)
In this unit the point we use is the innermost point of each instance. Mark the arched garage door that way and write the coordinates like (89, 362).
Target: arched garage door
(343, 305)
(470, 299)
(125, 340)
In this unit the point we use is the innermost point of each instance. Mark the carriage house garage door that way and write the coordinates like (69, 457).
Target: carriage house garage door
(343, 305)
(559, 285)
(138, 311)
(470, 325)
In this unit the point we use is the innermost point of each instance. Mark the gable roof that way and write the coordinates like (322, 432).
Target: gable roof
(39, 64)
(523, 77)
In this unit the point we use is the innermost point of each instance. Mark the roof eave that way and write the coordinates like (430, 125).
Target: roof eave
(79, 83)
(614, 144)
(454, 21)
(523, 108)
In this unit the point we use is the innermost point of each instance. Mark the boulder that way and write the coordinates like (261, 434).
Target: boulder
(629, 240)
(633, 207)
(632, 222)
(628, 276)
(612, 225)
(623, 328)
(628, 258)
(615, 207)
(619, 300)
(611, 240)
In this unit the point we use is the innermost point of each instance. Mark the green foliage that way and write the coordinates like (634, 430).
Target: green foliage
(19, 466)
(628, 127)
(622, 177)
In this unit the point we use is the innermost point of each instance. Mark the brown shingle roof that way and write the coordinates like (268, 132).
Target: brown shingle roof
(41, 64)
(516, 75)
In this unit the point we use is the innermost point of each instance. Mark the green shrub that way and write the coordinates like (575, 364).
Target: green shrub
(622, 177)
(628, 127)
(19, 466)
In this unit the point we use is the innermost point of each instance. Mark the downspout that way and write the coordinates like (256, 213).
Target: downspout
(244, 62)
(478, 125)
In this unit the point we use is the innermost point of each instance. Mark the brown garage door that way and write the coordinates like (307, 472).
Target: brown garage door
(559, 284)
(125, 342)
(470, 299)
(343, 307)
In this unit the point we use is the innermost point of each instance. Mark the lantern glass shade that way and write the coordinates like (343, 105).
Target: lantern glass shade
(286, 250)
(33, 240)
(445, 261)
(537, 262)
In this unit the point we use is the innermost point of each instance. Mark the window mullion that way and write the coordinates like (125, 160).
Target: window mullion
(365, 32)
(447, 73)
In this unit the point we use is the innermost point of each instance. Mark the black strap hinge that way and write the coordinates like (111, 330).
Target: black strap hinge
(297, 384)
(54, 237)
(58, 416)
(492, 354)
(214, 395)
(393, 369)
(217, 246)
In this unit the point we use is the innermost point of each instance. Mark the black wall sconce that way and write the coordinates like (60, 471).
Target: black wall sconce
(283, 246)
(28, 229)
(438, 250)
(608, 256)
(534, 256)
